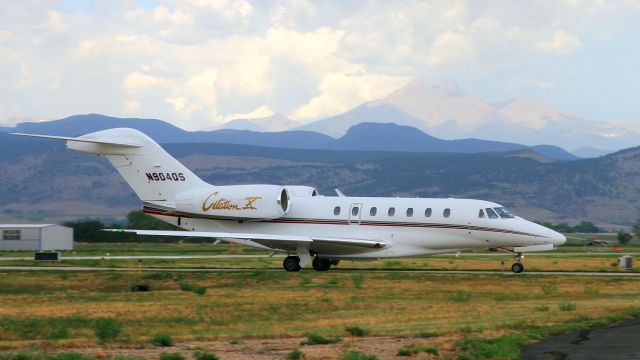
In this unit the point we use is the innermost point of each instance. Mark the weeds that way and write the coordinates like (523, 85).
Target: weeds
(107, 329)
(357, 331)
(567, 306)
(187, 286)
(172, 356)
(541, 308)
(415, 349)
(358, 280)
(295, 354)
(461, 296)
(549, 289)
(205, 356)
(315, 339)
(162, 340)
(356, 355)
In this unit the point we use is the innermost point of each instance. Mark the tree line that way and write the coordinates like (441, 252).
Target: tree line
(90, 230)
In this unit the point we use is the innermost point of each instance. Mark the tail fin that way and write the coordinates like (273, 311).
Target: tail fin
(153, 174)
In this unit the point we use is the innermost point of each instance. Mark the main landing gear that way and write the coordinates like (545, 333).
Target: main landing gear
(292, 263)
(517, 267)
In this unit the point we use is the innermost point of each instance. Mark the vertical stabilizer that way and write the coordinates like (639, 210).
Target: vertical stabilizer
(153, 174)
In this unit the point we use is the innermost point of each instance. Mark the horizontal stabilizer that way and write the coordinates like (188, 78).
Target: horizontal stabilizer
(81, 139)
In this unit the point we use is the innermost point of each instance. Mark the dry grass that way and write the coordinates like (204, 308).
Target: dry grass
(272, 304)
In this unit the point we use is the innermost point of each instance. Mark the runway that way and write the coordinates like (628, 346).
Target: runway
(229, 270)
(134, 257)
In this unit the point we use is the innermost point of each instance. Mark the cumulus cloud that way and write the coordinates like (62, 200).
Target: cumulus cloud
(560, 43)
(197, 63)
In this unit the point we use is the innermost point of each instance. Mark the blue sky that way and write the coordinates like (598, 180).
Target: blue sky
(198, 63)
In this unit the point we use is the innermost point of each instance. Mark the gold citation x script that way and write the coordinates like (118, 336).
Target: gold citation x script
(226, 204)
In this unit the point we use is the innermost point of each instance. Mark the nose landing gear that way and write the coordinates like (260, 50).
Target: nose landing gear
(517, 267)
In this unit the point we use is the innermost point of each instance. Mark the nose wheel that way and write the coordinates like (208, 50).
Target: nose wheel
(517, 267)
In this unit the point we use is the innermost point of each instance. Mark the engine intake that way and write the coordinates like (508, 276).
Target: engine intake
(250, 202)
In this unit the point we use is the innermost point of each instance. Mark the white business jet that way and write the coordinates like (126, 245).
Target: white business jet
(299, 222)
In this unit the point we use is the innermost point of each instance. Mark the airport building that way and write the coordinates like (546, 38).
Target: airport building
(36, 237)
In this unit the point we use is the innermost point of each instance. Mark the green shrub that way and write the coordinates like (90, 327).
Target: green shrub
(541, 308)
(549, 289)
(295, 354)
(107, 329)
(200, 290)
(186, 286)
(205, 356)
(358, 280)
(356, 355)
(162, 340)
(461, 296)
(425, 334)
(566, 306)
(314, 339)
(504, 347)
(171, 356)
(415, 349)
(356, 331)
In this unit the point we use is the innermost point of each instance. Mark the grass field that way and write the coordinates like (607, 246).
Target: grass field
(453, 313)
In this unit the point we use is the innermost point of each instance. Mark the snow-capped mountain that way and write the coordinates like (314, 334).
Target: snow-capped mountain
(273, 123)
(446, 111)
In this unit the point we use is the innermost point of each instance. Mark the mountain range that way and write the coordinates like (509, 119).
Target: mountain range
(41, 181)
(446, 111)
(361, 137)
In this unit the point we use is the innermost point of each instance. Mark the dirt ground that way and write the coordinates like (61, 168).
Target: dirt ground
(269, 349)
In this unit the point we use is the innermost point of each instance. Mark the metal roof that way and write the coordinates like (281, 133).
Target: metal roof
(25, 226)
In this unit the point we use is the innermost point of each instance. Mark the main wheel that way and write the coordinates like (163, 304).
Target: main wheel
(517, 268)
(321, 264)
(291, 263)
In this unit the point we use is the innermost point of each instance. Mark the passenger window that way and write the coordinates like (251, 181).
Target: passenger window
(392, 211)
(481, 214)
(427, 213)
(336, 210)
(373, 211)
(446, 213)
(409, 212)
(491, 214)
(354, 211)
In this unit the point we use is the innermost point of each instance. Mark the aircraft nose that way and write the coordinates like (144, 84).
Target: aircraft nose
(557, 238)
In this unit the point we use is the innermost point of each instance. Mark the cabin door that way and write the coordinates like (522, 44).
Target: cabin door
(355, 212)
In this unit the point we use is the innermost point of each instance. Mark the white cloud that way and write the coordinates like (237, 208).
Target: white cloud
(341, 91)
(560, 43)
(259, 113)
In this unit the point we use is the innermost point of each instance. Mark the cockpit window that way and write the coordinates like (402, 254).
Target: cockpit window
(491, 214)
(481, 213)
(504, 213)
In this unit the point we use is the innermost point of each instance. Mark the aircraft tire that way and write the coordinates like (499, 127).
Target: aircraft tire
(517, 268)
(291, 264)
(321, 264)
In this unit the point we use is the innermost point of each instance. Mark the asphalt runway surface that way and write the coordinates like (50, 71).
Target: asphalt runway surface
(617, 341)
(480, 272)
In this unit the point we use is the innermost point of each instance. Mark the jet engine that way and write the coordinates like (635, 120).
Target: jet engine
(246, 202)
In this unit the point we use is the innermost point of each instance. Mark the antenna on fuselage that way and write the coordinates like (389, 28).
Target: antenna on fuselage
(340, 194)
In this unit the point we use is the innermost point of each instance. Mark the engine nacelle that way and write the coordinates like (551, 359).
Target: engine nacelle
(301, 191)
(250, 202)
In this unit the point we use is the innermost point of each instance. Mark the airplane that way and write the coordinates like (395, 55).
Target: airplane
(298, 221)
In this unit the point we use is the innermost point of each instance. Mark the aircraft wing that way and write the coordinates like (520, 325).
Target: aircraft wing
(274, 242)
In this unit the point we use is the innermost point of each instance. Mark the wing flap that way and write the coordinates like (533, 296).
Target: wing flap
(273, 241)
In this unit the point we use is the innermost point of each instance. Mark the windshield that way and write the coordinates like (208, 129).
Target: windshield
(504, 213)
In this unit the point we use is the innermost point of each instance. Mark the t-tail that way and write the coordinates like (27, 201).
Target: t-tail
(153, 174)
